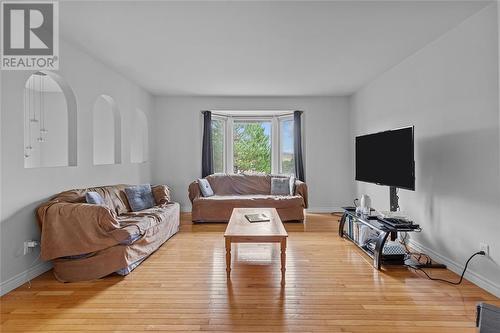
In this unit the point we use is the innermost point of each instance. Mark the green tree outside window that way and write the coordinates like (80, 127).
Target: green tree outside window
(252, 147)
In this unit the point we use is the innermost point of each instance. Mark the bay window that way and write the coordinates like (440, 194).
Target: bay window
(218, 144)
(286, 161)
(249, 143)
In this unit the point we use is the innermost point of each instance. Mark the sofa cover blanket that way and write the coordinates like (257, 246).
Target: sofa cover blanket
(87, 241)
(245, 190)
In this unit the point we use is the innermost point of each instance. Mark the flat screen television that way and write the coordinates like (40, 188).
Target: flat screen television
(387, 158)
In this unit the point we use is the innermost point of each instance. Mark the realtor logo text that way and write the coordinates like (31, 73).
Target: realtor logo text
(30, 35)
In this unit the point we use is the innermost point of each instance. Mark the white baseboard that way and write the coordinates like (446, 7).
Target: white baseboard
(22, 278)
(457, 268)
(324, 210)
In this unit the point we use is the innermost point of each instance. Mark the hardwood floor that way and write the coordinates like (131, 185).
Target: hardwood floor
(330, 286)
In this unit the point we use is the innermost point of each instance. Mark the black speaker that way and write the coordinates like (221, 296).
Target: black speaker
(488, 318)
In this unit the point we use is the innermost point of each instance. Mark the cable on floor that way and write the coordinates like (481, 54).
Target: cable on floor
(447, 281)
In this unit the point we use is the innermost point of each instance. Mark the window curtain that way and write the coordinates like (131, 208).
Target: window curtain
(297, 146)
(207, 167)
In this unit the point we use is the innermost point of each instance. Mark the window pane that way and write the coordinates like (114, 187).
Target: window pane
(218, 133)
(286, 147)
(252, 146)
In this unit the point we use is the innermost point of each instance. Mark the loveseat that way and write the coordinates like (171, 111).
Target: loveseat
(245, 190)
(88, 241)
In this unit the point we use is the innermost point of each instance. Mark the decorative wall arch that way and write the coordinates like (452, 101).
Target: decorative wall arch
(106, 131)
(139, 146)
(58, 148)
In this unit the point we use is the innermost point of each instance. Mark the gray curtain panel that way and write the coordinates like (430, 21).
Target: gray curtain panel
(207, 167)
(297, 146)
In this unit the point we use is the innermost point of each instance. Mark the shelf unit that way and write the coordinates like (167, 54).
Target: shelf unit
(384, 231)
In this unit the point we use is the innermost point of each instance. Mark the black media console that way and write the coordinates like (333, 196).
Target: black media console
(383, 228)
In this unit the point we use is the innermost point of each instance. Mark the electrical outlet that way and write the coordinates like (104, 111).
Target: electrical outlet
(484, 247)
(29, 245)
(26, 248)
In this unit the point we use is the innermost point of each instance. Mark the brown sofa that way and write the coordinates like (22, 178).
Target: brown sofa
(240, 190)
(87, 242)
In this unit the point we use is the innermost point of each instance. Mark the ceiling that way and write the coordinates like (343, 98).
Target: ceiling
(257, 48)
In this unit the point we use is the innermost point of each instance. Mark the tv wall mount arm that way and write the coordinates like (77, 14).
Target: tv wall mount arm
(394, 198)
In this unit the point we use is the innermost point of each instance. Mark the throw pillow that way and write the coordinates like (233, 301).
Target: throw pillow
(280, 186)
(94, 198)
(140, 197)
(205, 188)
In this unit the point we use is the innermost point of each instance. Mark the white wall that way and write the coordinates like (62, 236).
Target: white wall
(177, 133)
(139, 146)
(103, 128)
(449, 91)
(23, 189)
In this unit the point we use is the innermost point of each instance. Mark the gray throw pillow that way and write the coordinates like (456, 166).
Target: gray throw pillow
(94, 198)
(140, 197)
(205, 188)
(280, 186)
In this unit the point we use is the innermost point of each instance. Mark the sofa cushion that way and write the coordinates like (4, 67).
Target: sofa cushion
(205, 188)
(230, 184)
(140, 197)
(141, 221)
(218, 208)
(280, 186)
(255, 200)
(94, 198)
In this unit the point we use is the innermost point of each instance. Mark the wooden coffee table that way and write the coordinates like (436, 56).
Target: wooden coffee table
(239, 230)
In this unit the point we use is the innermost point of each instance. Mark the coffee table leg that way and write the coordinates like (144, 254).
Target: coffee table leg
(228, 256)
(283, 260)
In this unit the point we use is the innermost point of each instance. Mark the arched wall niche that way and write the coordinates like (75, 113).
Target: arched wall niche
(50, 122)
(106, 131)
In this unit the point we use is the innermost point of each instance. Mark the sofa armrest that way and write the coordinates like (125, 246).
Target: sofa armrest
(194, 191)
(161, 194)
(75, 228)
(301, 189)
